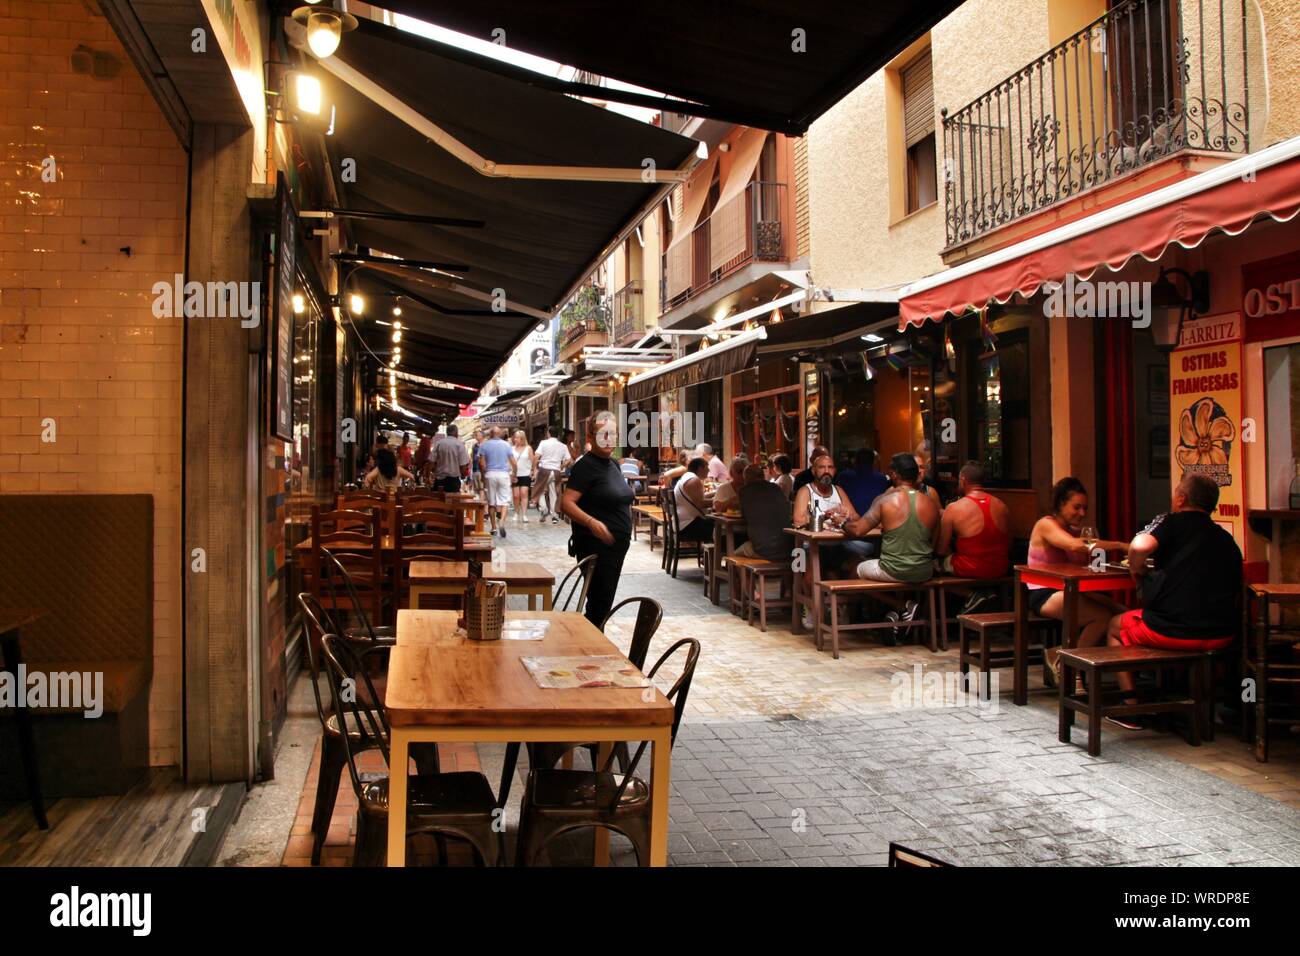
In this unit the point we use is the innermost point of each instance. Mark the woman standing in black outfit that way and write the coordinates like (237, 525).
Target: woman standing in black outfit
(598, 501)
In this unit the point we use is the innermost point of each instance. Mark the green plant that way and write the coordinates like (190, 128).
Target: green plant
(587, 307)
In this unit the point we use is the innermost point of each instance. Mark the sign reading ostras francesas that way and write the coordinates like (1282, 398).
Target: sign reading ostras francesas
(1205, 412)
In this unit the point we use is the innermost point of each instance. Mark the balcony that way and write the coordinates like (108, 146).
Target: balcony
(1148, 79)
(584, 322)
(629, 312)
(751, 227)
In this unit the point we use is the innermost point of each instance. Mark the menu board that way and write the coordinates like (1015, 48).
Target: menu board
(567, 673)
(1205, 413)
(282, 358)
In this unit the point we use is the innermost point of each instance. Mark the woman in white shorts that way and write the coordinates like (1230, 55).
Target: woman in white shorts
(523, 473)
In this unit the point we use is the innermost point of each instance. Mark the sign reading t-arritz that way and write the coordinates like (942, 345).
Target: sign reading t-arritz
(1205, 413)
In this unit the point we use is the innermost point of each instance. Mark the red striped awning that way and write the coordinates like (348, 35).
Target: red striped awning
(1225, 199)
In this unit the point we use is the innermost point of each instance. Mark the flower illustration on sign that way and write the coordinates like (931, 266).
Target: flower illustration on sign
(1205, 436)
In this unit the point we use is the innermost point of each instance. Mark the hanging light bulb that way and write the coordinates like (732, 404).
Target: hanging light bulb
(397, 335)
(307, 94)
(775, 317)
(299, 304)
(325, 28)
(357, 304)
(397, 325)
(397, 310)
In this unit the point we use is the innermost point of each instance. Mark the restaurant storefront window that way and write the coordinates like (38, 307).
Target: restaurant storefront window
(767, 412)
(706, 398)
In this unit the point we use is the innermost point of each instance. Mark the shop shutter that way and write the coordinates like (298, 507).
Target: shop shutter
(918, 99)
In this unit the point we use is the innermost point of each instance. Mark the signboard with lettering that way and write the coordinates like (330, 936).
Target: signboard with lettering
(1270, 298)
(282, 344)
(509, 416)
(1205, 413)
(239, 37)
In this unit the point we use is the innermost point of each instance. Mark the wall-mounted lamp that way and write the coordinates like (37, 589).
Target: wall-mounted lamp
(1170, 307)
(325, 28)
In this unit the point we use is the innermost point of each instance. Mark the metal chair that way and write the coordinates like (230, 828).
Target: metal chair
(561, 601)
(444, 804)
(545, 755)
(557, 801)
(335, 575)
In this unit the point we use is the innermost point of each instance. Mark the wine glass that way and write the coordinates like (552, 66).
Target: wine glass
(1089, 537)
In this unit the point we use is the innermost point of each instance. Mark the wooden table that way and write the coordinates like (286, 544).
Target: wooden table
(450, 578)
(443, 689)
(12, 621)
(478, 548)
(807, 592)
(725, 527)
(1073, 579)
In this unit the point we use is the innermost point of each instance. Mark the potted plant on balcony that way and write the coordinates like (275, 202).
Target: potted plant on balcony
(586, 320)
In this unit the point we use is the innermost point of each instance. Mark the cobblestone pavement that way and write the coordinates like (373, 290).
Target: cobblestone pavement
(788, 757)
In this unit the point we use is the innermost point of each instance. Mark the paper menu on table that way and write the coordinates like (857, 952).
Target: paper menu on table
(566, 673)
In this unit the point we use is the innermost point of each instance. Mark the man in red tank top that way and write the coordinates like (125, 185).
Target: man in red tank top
(974, 534)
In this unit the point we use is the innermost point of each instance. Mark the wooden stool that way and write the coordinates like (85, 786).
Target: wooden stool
(983, 628)
(749, 588)
(708, 554)
(1264, 645)
(1094, 662)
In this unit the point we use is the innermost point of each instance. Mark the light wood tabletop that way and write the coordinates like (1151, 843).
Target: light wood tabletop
(443, 688)
(451, 577)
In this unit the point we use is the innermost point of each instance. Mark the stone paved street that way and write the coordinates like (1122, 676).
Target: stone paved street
(788, 757)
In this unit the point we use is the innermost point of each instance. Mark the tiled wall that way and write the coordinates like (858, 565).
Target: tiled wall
(78, 339)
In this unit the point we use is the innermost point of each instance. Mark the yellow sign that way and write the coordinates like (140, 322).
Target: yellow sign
(1205, 425)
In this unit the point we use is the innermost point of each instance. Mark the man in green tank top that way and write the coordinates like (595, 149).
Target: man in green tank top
(909, 524)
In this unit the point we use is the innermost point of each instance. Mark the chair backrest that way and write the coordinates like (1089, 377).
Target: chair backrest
(669, 508)
(648, 617)
(336, 580)
(317, 622)
(900, 855)
(678, 693)
(345, 525)
(352, 709)
(578, 575)
(359, 500)
(442, 530)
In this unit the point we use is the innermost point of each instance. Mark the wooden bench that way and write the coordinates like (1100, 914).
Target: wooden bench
(834, 592)
(650, 517)
(964, 587)
(87, 562)
(1095, 662)
(983, 654)
(749, 575)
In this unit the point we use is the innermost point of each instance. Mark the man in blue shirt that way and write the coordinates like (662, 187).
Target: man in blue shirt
(862, 482)
(496, 460)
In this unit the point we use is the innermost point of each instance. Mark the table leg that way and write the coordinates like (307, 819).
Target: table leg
(399, 748)
(814, 584)
(1070, 615)
(604, 749)
(26, 738)
(1020, 665)
(532, 600)
(659, 781)
(546, 599)
(715, 584)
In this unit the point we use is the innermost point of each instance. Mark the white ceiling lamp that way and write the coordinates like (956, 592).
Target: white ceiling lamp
(325, 28)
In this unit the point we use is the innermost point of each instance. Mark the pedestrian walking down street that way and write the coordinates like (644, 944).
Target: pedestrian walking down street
(552, 457)
(598, 501)
(524, 458)
(497, 463)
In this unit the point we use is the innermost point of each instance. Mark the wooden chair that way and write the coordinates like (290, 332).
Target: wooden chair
(674, 547)
(359, 500)
(357, 537)
(1269, 658)
(964, 587)
(458, 805)
(441, 537)
(902, 856)
(557, 801)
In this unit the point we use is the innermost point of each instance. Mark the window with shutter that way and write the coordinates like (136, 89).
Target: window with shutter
(918, 133)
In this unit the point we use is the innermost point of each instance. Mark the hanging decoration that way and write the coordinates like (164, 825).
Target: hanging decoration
(789, 426)
(949, 352)
(986, 332)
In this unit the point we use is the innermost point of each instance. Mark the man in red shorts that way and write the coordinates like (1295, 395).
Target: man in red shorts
(1192, 600)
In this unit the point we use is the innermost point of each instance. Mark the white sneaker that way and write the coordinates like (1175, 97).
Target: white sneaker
(525, 519)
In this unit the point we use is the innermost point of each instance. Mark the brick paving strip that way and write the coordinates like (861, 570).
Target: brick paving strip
(789, 758)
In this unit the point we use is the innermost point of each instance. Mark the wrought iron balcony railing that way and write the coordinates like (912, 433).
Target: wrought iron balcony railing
(1146, 80)
(751, 226)
(629, 311)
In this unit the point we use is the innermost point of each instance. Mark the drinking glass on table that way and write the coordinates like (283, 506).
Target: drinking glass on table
(1089, 537)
